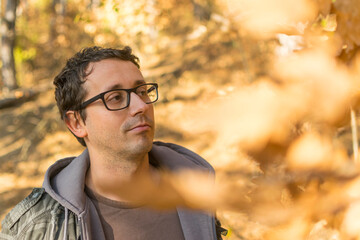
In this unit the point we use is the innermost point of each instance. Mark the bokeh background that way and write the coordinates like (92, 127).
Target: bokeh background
(266, 91)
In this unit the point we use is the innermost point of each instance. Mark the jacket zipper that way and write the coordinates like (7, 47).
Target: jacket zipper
(81, 228)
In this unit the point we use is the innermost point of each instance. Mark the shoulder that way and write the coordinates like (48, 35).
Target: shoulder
(169, 149)
(35, 209)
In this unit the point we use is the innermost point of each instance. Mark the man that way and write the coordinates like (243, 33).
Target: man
(106, 103)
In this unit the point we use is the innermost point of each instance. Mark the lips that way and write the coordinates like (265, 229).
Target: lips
(140, 127)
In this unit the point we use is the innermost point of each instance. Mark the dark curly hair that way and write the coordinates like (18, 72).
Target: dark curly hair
(69, 92)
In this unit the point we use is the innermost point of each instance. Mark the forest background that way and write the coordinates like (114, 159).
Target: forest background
(267, 91)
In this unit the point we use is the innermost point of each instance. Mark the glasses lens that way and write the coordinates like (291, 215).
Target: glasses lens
(152, 93)
(116, 99)
(148, 93)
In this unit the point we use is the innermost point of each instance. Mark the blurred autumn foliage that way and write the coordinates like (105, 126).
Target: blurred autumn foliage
(267, 91)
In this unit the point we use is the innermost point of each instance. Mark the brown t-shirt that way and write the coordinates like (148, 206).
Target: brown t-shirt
(121, 221)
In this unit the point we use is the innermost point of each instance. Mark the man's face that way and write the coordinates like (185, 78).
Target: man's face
(128, 132)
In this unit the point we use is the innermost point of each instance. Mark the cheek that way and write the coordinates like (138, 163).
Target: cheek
(151, 111)
(105, 120)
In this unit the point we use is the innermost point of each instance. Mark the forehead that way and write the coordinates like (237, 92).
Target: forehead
(109, 73)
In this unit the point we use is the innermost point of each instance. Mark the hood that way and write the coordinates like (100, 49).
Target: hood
(65, 179)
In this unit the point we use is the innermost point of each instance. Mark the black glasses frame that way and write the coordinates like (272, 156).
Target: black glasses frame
(128, 91)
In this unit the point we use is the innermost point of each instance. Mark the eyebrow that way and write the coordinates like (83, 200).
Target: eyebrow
(119, 86)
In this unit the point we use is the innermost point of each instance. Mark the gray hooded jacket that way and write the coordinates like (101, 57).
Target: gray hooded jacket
(61, 209)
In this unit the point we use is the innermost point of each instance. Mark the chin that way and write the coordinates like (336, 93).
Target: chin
(142, 147)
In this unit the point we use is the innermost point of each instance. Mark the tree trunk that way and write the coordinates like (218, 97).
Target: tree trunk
(94, 3)
(59, 7)
(63, 7)
(7, 45)
(58, 12)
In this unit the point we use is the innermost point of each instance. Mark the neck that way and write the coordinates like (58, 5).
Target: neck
(111, 176)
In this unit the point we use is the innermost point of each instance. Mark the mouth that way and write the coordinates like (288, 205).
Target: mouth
(141, 127)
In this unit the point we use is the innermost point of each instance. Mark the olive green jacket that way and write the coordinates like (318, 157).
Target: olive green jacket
(62, 210)
(39, 216)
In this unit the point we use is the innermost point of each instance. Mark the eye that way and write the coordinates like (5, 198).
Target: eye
(141, 91)
(115, 97)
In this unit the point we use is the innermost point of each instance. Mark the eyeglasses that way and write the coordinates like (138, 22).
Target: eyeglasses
(118, 99)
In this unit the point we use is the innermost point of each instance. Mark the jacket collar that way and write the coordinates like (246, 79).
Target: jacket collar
(65, 181)
(195, 224)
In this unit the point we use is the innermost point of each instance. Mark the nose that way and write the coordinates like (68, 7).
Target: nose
(137, 105)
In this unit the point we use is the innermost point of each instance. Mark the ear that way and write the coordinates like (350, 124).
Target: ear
(75, 124)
